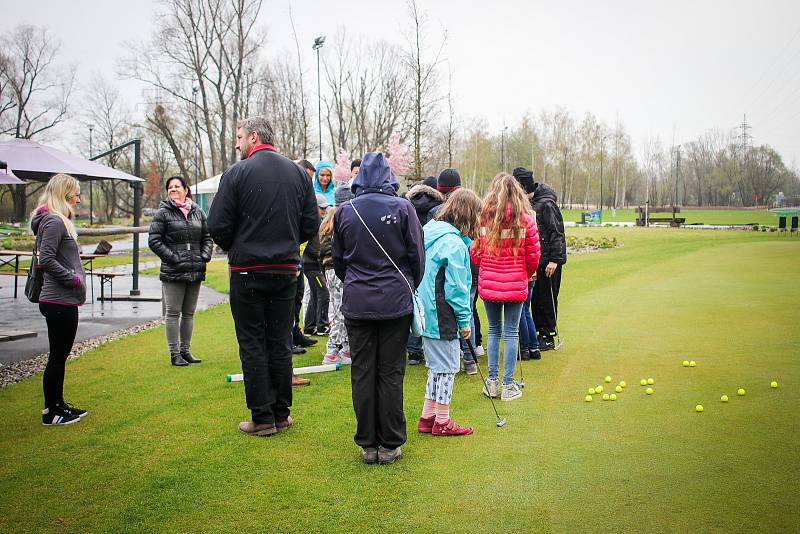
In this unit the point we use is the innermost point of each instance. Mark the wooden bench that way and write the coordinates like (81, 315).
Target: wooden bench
(674, 221)
(107, 279)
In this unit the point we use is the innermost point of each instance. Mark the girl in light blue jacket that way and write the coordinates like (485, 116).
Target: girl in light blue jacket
(445, 296)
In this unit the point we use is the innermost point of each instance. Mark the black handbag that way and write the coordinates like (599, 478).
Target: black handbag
(33, 285)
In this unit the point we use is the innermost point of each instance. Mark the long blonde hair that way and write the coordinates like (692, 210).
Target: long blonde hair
(504, 208)
(57, 192)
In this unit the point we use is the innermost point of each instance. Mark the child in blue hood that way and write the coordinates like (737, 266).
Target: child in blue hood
(323, 181)
(445, 296)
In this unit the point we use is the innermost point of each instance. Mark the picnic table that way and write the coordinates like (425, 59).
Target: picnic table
(87, 259)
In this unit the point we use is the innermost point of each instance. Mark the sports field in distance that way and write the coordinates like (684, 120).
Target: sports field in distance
(159, 450)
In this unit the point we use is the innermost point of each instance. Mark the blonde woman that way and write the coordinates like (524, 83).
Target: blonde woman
(63, 290)
(507, 254)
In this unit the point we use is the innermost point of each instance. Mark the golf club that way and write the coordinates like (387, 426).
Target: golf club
(500, 422)
(519, 355)
(555, 314)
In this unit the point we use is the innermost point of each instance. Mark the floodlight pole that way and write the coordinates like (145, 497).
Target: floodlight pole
(91, 196)
(602, 144)
(137, 203)
(318, 42)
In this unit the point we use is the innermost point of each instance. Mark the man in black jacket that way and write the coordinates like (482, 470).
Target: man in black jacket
(264, 208)
(554, 255)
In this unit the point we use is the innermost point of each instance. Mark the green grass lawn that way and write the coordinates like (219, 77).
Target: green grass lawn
(159, 450)
(691, 215)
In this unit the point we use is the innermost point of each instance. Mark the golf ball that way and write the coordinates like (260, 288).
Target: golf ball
(773, 384)
(623, 384)
(741, 392)
(591, 391)
(692, 363)
(588, 398)
(598, 389)
(649, 391)
(650, 381)
(698, 408)
(724, 398)
(605, 396)
(612, 396)
(608, 379)
(618, 389)
(686, 363)
(642, 382)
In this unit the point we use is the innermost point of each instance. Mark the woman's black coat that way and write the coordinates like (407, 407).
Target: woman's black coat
(183, 243)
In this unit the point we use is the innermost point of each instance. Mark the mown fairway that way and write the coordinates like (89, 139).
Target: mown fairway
(159, 450)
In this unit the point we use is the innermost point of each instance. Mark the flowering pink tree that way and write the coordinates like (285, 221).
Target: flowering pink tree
(341, 171)
(399, 158)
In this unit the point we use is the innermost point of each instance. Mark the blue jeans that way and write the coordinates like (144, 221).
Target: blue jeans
(414, 344)
(528, 340)
(503, 318)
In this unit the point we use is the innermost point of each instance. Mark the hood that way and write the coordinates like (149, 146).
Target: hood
(543, 192)
(323, 165)
(420, 192)
(436, 229)
(375, 176)
(41, 211)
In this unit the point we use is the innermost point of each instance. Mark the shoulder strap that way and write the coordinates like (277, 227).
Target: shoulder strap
(381, 247)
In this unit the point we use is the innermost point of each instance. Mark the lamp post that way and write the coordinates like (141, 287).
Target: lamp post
(195, 89)
(91, 196)
(602, 144)
(318, 42)
(503, 149)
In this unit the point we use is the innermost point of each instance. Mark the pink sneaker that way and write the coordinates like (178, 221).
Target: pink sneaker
(425, 426)
(329, 358)
(450, 428)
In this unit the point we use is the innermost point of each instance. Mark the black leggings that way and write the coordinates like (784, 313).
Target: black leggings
(62, 324)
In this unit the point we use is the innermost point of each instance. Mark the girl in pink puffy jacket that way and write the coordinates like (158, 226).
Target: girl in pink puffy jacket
(507, 254)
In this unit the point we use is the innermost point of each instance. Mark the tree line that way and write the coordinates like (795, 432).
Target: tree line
(205, 67)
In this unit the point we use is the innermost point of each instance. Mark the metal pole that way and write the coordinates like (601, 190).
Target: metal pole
(319, 105)
(137, 213)
(91, 196)
(602, 142)
(503, 150)
(677, 174)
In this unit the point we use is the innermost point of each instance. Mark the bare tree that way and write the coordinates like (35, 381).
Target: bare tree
(35, 93)
(424, 77)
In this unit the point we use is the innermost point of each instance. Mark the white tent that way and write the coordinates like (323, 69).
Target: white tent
(206, 187)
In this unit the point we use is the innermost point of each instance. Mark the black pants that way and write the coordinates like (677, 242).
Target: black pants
(379, 366)
(262, 305)
(62, 325)
(316, 315)
(542, 305)
(476, 317)
(298, 303)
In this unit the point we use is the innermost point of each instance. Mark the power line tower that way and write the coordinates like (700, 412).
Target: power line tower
(744, 137)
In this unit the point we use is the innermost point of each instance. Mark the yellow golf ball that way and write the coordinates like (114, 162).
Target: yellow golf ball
(605, 396)
(698, 408)
(588, 398)
(642, 382)
(591, 391)
(685, 363)
(612, 396)
(623, 384)
(618, 389)
(607, 379)
(724, 398)
(651, 381)
(598, 389)
(773, 384)
(649, 391)
(741, 392)
(692, 363)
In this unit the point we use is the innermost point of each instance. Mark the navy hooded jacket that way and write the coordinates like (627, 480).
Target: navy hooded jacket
(373, 289)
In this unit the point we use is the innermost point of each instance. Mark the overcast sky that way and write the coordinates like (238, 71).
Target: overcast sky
(676, 68)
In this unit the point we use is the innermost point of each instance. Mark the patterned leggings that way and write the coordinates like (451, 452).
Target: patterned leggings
(337, 338)
(440, 387)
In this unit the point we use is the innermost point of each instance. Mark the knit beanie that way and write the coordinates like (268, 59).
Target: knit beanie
(525, 178)
(343, 194)
(430, 181)
(449, 180)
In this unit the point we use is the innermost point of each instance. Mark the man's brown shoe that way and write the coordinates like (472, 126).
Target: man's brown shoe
(257, 429)
(297, 381)
(284, 425)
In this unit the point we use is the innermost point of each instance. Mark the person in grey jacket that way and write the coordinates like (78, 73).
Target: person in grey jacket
(179, 236)
(63, 289)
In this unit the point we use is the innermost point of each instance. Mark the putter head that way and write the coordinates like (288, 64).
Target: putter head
(501, 422)
(559, 345)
